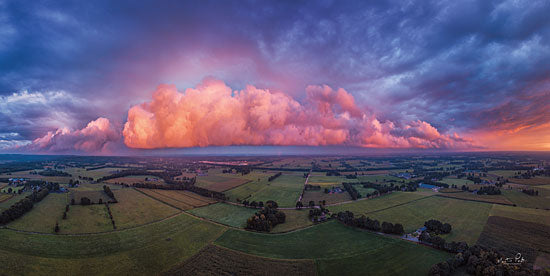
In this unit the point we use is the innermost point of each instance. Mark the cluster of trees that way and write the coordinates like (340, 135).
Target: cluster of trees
(440, 243)
(432, 182)
(333, 173)
(271, 178)
(74, 183)
(51, 172)
(351, 176)
(243, 170)
(24, 205)
(110, 193)
(348, 218)
(475, 179)
(531, 192)
(85, 178)
(437, 227)
(479, 260)
(308, 187)
(267, 218)
(319, 214)
(253, 204)
(489, 190)
(351, 190)
(66, 211)
(85, 201)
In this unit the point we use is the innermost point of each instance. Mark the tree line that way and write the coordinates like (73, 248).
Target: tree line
(24, 205)
(364, 222)
(273, 177)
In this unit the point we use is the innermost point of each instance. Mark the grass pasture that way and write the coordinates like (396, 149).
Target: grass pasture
(537, 180)
(94, 196)
(134, 209)
(334, 246)
(43, 216)
(467, 218)
(146, 250)
(522, 214)
(4, 197)
(220, 182)
(295, 219)
(216, 260)
(521, 199)
(85, 219)
(223, 213)
(6, 203)
(131, 179)
(320, 195)
(375, 204)
(497, 199)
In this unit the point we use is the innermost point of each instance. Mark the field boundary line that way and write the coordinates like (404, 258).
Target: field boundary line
(92, 233)
(161, 201)
(175, 199)
(482, 201)
(400, 204)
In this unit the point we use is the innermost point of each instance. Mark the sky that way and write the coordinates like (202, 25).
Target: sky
(135, 77)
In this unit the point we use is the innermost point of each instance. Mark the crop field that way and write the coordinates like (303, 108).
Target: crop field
(332, 244)
(523, 200)
(505, 174)
(375, 204)
(95, 174)
(227, 214)
(320, 195)
(134, 209)
(321, 179)
(215, 260)
(511, 236)
(183, 200)
(220, 182)
(43, 216)
(498, 199)
(466, 217)
(146, 250)
(523, 214)
(4, 197)
(131, 179)
(538, 180)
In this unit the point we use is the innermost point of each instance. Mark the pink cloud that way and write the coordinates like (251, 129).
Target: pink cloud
(212, 114)
(96, 137)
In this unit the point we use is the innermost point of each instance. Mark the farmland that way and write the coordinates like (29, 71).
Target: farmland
(178, 228)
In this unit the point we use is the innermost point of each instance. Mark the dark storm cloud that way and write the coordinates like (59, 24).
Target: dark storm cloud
(459, 65)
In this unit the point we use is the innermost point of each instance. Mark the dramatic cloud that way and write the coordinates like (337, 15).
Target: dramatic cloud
(214, 115)
(96, 137)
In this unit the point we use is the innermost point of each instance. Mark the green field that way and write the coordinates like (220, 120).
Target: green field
(467, 218)
(295, 219)
(523, 214)
(375, 204)
(457, 181)
(332, 245)
(85, 219)
(227, 214)
(43, 216)
(363, 191)
(145, 250)
(9, 202)
(285, 190)
(134, 209)
(523, 200)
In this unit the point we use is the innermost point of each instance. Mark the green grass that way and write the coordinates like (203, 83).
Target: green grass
(86, 219)
(364, 191)
(285, 189)
(14, 190)
(7, 203)
(295, 219)
(382, 202)
(338, 249)
(542, 201)
(523, 214)
(134, 208)
(43, 216)
(457, 181)
(228, 214)
(467, 218)
(144, 250)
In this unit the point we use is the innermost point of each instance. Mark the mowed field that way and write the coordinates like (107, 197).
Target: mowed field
(542, 201)
(95, 174)
(220, 182)
(498, 199)
(131, 179)
(227, 214)
(320, 195)
(135, 209)
(182, 200)
(336, 249)
(146, 250)
(285, 189)
(467, 218)
(375, 204)
(216, 260)
(43, 216)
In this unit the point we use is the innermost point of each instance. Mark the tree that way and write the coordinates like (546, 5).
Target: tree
(56, 228)
(387, 227)
(85, 201)
(398, 229)
(311, 204)
(299, 205)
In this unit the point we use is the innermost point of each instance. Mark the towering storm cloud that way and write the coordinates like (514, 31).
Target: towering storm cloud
(96, 137)
(212, 114)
